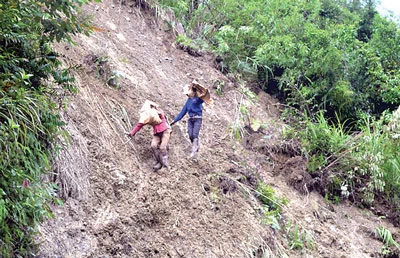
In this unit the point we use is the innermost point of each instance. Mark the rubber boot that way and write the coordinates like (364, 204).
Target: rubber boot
(195, 149)
(157, 156)
(164, 160)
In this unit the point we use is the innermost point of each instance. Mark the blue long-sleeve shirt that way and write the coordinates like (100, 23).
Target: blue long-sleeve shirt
(193, 107)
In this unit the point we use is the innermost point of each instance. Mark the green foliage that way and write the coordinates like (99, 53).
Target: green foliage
(322, 142)
(181, 39)
(179, 7)
(251, 96)
(335, 61)
(29, 123)
(236, 128)
(28, 28)
(220, 87)
(342, 97)
(386, 42)
(113, 79)
(377, 159)
(366, 27)
(26, 139)
(316, 162)
(386, 237)
(186, 43)
(361, 166)
(272, 205)
(298, 237)
(103, 70)
(242, 117)
(314, 53)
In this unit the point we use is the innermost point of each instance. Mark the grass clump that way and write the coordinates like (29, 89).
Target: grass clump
(298, 237)
(357, 165)
(390, 247)
(272, 205)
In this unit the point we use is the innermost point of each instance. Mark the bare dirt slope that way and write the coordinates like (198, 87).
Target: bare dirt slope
(116, 206)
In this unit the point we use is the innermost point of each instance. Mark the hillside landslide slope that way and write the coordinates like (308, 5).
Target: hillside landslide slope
(115, 205)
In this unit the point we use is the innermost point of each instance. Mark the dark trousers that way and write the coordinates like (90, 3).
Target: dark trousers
(194, 125)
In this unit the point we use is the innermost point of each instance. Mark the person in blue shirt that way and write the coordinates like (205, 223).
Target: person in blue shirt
(193, 107)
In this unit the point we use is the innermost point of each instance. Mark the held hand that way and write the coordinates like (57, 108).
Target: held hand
(172, 123)
(128, 134)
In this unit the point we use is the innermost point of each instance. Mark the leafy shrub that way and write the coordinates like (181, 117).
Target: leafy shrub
(26, 142)
(362, 165)
(313, 53)
(377, 158)
(333, 60)
(29, 123)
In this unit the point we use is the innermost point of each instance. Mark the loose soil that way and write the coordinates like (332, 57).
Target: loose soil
(115, 205)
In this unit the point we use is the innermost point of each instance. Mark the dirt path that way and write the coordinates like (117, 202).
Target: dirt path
(116, 206)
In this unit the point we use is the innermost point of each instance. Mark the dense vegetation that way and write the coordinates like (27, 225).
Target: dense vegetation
(31, 81)
(334, 63)
(337, 56)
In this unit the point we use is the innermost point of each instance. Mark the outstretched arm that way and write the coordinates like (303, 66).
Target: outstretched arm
(181, 114)
(136, 129)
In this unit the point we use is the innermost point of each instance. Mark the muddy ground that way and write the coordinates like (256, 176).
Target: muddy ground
(117, 206)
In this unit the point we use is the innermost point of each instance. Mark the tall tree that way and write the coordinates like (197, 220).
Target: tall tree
(366, 23)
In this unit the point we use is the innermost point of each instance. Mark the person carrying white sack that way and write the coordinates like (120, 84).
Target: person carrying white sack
(152, 114)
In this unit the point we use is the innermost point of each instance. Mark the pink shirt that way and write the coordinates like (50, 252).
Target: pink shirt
(161, 127)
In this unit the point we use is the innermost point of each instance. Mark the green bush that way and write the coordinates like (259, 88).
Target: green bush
(29, 120)
(27, 132)
(313, 53)
(376, 159)
(335, 61)
(365, 163)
